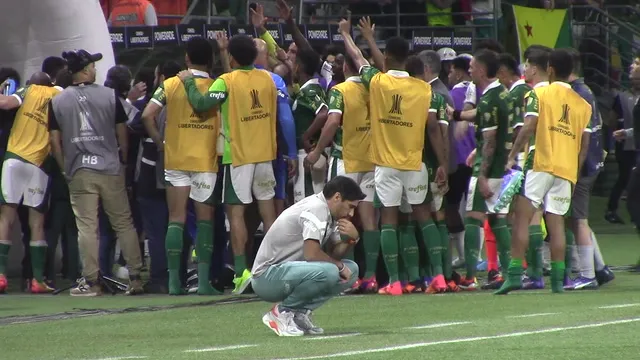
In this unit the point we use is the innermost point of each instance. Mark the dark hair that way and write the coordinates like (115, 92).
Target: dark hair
(461, 63)
(534, 47)
(562, 63)
(64, 78)
(9, 73)
(397, 48)
(243, 49)
(308, 60)
(169, 69)
(508, 61)
(119, 79)
(577, 61)
(414, 66)
(350, 63)
(147, 77)
(348, 189)
(490, 60)
(539, 58)
(199, 51)
(431, 59)
(489, 44)
(334, 50)
(52, 65)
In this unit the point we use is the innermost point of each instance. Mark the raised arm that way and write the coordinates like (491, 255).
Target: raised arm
(367, 29)
(344, 27)
(286, 13)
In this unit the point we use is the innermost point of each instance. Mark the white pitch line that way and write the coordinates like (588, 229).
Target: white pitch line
(331, 336)
(220, 348)
(619, 306)
(531, 315)
(435, 326)
(465, 340)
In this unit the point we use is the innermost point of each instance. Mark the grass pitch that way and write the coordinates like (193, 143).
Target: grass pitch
(523, 325)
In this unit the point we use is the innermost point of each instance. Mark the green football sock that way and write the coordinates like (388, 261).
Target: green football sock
(5, 246)
(444, 249)
(513, 280)
(557, 276)
(503, 240)
(240, 264)
(173, 245)
(410, 254)
(432, 241)
(38, 258)
(472, 229)
(568, 252)
(372, 250)
(389, 246)
(204, 249)
(534, 259)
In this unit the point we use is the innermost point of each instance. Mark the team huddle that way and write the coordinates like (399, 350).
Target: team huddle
(383, 144)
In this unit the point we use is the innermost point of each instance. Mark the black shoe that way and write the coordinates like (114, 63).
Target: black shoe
(612, 217)
(494, 281)
(604, 276)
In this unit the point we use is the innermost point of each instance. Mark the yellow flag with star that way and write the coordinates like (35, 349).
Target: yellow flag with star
(542, 27)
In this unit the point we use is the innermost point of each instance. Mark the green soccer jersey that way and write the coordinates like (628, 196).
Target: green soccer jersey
(336, 104)
(439, 107)
(493, 113)
(517, 94)
(306, 105)
(532, 108)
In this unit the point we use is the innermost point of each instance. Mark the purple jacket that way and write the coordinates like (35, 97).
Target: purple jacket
(464, 146)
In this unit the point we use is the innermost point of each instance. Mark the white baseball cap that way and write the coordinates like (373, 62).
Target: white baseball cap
(446, 54)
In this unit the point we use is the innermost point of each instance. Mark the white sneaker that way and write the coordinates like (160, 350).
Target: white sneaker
(281, 322)
(85, 289)
(303, 320)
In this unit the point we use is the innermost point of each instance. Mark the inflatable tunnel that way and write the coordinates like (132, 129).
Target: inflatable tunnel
(35, 29)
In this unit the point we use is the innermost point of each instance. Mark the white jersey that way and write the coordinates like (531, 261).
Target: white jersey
(470, 95)
(307, 219)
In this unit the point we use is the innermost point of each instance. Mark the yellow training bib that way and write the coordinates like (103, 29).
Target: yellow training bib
(563, 117)
(29, 136)
(190, 137)
(399, 107)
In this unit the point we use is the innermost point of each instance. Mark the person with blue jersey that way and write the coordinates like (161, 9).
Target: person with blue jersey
(285, 164)
(593, 271)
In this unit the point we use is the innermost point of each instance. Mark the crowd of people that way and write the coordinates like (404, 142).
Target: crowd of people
(412, 155)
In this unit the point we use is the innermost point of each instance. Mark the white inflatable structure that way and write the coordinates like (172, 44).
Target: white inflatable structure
(35, 29)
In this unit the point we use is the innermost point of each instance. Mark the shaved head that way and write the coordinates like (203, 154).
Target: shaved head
(261, 45)
(40, 78)
(263, 53)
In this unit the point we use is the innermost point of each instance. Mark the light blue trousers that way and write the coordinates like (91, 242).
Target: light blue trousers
(302, 285)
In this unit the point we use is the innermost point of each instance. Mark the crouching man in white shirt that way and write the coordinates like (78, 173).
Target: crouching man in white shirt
(299, 264)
